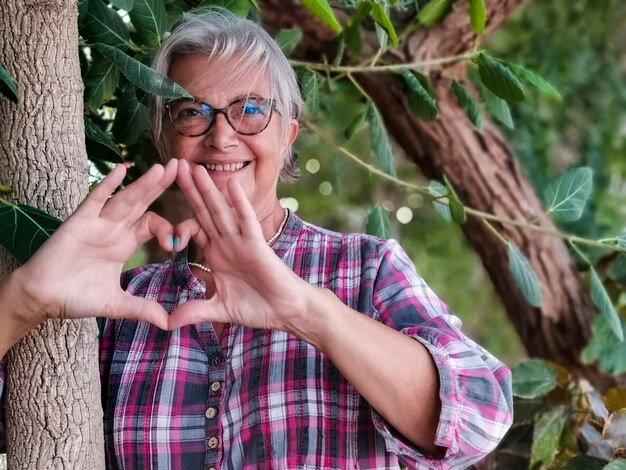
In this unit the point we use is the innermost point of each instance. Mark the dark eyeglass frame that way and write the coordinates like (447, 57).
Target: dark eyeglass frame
(216, 111)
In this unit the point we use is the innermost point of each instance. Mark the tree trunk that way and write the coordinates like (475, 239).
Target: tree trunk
(52, 387)
(485, 174)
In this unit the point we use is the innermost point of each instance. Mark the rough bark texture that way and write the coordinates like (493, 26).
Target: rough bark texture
(485, 173)
(52, 389)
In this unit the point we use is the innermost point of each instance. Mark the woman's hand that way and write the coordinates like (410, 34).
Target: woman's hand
(253, 286)
(76, 273)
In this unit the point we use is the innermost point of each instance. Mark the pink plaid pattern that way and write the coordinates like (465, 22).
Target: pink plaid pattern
(263, 399)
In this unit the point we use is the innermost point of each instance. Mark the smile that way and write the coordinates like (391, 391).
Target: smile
(226, 166)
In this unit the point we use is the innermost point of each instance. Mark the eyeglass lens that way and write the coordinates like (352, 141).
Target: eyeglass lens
(246, 116)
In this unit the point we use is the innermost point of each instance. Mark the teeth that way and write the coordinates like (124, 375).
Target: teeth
(226, 167)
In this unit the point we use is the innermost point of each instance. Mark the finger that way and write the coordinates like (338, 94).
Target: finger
(198, 206)
(185, 231)
(152, 225)
(247, 216)
(195, 311)
(222, 215)
(131, 202)
(99, 196)
(140, 309)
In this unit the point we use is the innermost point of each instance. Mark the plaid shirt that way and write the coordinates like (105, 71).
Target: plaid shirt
(263, 399)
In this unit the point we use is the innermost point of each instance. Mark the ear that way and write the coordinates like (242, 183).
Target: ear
(292, 133)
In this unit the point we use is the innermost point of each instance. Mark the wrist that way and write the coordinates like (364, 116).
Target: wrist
(20, 311)
(316, 317)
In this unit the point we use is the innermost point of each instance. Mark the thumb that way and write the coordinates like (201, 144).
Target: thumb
(195, 311)
(185, 231)
(140, 309)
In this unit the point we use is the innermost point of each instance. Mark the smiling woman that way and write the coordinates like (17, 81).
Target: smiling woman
(265, 342)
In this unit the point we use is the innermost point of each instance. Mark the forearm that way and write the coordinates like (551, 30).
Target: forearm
(394, 373)
(18, 311)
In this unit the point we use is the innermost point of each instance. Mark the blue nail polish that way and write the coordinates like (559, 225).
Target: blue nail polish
(170, 241)
(176, 242)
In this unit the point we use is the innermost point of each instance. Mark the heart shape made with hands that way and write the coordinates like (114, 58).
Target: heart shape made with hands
(251, 283)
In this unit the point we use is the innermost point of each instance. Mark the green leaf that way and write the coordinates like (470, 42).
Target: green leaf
(584, 462)
(131, 119)
(457, 210)
(546, 435)
(434, 11)
(99, 145)
(141, 75)
(420, 101)
(100, 82)
(352, 31)
(478, 15)
(438, 191)
(524, 275)
(533, 378)
(604, 347)
(619, 464)
(566, 195)
(378, 223)
(5, 189)
(288, 40)
(468, 104)
(322, 10)
(499, 79)
(241, 8)
(380, 16)
(82, 10)
(150, 20)
(104, 25)
(7, 86)
(23, 229)
(380, 140)
(311, 90)
(126, 5)
(605, 306)
(535, 79)
(498, 108)
(356, 124)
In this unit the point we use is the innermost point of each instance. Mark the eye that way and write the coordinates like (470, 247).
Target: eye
(253, 108)
(188, 113)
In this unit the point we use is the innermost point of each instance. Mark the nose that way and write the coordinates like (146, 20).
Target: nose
(221, 135)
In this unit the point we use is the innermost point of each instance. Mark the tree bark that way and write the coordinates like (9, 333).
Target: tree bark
(52, 389)
(485, 174)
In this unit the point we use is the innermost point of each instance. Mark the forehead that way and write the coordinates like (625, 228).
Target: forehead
(217, 80)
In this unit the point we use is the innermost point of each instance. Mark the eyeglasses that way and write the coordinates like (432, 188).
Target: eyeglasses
(247, 116)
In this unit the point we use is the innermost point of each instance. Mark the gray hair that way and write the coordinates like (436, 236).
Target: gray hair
(221, 35)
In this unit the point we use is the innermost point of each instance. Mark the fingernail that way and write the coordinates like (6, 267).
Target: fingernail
(176, 242)
(170, 241)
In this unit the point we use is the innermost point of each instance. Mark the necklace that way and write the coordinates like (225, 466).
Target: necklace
(269, 242)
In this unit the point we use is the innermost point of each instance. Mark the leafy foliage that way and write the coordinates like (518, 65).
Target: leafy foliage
(562, 423)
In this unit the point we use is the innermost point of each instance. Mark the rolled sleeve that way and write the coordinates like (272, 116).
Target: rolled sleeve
(474, 387)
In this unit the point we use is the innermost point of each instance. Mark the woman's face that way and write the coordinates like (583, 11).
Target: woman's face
(255, 160)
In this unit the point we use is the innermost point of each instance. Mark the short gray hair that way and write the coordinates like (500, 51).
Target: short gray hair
(221, 35)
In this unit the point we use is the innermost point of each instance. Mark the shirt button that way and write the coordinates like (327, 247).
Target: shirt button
(215, 386)
(212, 442)
(211, 412)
